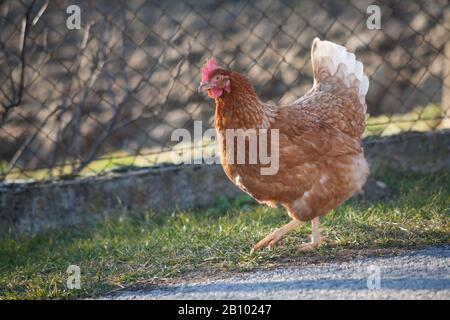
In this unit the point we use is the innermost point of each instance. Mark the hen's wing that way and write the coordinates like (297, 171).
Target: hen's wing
(305, 137)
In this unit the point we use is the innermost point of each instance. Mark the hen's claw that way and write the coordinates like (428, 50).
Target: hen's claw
(310, 246)
(268, 242)
(304, 247)
(276, 236)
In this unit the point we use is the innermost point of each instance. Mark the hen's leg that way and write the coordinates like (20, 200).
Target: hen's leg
(275, 236)
(316, 237)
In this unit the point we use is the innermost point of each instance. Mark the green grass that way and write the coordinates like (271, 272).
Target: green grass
(418, 119)
(130, 249)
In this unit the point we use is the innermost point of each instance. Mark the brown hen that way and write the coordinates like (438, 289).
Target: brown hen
(320, 159)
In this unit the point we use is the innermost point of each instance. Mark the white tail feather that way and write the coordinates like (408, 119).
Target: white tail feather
(337, 61)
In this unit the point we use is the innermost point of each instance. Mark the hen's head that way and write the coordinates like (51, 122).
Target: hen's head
(214, 79)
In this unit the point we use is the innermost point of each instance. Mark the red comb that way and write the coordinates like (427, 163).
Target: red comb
(208, 68)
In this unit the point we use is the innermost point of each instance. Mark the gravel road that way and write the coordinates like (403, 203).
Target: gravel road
(420, 274)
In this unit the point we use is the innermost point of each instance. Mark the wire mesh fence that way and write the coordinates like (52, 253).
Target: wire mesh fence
(107, 96)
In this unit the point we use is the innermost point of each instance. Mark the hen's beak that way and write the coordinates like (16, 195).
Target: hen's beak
(204, 86)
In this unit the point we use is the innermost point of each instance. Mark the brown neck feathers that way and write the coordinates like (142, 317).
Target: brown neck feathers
(240, 108)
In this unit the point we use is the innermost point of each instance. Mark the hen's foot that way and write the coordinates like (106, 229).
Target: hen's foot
(305, 247)
(268, 241)
(313, 245)
(275, 236)
(316, 237)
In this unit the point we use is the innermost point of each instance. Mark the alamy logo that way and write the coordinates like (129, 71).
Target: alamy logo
(74, 278)
(73, 21)
(374, 278)
(373, 22)
(242, 146)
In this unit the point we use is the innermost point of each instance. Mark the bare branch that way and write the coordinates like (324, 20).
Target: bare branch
(17, 98)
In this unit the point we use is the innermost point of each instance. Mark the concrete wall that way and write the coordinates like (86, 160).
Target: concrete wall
(33, 207)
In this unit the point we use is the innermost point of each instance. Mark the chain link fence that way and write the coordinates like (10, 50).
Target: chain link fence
(107, 96)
